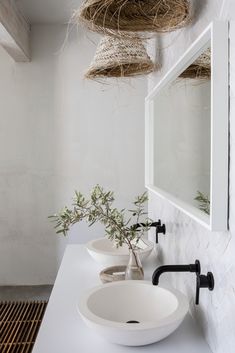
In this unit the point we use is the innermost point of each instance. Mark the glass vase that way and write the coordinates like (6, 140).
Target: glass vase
(134, 269)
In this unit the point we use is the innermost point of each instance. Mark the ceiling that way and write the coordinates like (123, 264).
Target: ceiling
(47, 11)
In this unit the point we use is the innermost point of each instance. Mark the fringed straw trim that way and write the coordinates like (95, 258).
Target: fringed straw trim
(126, 17)
(120, 70)
(120, 57)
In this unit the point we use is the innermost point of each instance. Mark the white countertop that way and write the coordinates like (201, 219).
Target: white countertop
(63, 331)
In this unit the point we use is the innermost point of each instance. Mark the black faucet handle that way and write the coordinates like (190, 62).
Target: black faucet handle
(204, 281)
(160, 229)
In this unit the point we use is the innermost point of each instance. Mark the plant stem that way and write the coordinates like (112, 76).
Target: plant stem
(117, 226)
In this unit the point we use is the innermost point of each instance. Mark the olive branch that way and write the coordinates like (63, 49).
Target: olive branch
(203, 201)
(120, 225)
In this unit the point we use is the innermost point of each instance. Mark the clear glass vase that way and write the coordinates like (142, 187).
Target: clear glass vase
(134, 269)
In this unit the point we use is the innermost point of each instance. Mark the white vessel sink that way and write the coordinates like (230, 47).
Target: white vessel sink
(156, 311)
(104, 251)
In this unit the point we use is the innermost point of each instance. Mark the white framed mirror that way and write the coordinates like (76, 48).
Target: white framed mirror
(186, 131)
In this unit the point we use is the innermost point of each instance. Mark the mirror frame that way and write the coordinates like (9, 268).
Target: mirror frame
(215, 36)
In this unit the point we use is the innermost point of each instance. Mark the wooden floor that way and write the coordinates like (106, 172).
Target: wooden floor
(19, 325)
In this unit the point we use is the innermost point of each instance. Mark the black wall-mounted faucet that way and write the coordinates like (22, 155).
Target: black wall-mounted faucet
(139, 225)
(160, 228)
(196, 268)
(202, 281)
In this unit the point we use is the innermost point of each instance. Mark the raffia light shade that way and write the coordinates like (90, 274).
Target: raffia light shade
(123, 17)
(119, 57)
(200, 68)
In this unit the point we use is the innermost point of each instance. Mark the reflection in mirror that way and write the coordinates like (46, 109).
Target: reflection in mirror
(182, 135)
(186, 131)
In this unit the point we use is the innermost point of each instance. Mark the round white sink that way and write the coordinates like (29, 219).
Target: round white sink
(133, 313)
(105, 252)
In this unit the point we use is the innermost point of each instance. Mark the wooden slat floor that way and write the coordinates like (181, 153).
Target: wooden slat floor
(19, 325)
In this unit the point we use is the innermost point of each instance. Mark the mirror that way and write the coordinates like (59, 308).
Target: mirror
(186, 137)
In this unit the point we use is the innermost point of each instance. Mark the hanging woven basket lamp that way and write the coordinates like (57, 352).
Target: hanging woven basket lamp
(200, 68)
(123, 17)
(119, 57)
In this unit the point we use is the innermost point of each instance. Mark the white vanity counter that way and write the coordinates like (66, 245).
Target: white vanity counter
(63, 331)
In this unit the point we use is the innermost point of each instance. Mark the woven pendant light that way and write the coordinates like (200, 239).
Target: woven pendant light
(200, 68)
(119, 57)
(123, 17)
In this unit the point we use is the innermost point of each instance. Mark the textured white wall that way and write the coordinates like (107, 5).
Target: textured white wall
(59, 133)
(186, 240)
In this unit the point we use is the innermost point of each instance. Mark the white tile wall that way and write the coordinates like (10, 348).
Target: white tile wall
(186, 240)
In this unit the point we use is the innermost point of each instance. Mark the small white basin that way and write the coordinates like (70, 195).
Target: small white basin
(108, 308)
(103, 251)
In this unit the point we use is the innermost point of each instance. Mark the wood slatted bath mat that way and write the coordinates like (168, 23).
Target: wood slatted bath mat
(19, 325)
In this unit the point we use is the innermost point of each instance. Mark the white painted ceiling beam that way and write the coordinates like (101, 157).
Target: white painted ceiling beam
(14, 32)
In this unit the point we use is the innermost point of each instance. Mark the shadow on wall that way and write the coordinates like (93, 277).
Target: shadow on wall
(199, 7)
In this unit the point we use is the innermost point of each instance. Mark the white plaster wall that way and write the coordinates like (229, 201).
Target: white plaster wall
(59, 133)
(186, 240)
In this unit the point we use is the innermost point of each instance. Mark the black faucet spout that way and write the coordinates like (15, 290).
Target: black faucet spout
(153, 224)
(160, 228)
(175, 268)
